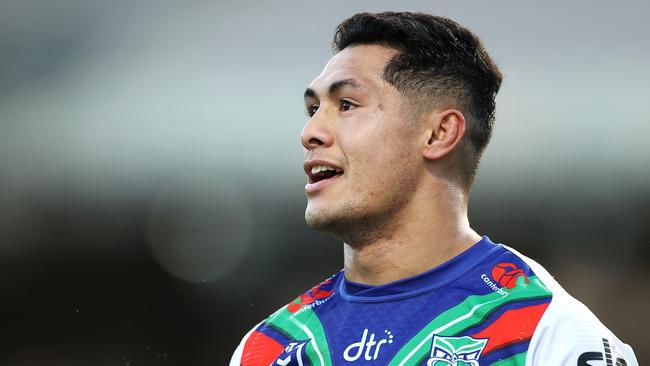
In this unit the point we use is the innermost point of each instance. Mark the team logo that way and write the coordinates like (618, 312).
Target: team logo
(506, 275)
(314, 297)
(609, 356)
(293, 355)
(456, 351)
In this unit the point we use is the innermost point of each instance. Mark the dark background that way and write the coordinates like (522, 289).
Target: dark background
(151, 204)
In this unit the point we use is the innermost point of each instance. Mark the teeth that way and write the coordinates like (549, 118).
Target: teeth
(320, 168)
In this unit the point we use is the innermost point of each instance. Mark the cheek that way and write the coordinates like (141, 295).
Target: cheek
(380, 150)
(382, 168)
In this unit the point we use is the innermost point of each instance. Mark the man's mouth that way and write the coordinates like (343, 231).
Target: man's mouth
(321, 172)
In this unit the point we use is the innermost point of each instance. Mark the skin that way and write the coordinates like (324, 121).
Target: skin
(399, 207)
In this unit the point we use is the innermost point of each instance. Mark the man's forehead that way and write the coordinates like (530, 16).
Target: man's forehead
(363, 63)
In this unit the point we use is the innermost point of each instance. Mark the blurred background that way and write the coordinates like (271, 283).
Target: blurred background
(151, 201)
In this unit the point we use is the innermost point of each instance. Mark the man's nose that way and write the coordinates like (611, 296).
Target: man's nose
(317, 132)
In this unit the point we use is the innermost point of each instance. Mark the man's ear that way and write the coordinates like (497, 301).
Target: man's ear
(444, 130)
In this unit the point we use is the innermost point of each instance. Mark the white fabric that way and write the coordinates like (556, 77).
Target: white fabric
(568, 329)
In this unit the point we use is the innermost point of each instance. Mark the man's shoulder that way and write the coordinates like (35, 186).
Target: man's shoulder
(269, 339)
(568, 332)
(563, 305)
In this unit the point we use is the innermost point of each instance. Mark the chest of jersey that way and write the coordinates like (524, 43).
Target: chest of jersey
(484, 317)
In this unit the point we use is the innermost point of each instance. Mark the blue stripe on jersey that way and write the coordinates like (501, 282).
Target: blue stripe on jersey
(276, 334)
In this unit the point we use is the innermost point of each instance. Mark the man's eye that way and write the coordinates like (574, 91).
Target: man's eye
(346, 105)
(311, 110)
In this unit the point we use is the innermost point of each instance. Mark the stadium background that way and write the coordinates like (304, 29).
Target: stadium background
(151, 188)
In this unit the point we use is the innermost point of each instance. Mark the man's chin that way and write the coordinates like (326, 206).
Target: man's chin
(343, 228)
(316, 221)
(321, 219)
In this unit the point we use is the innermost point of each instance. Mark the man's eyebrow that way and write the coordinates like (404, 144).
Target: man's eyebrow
(334, 87)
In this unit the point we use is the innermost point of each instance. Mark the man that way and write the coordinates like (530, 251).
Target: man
(399, 119)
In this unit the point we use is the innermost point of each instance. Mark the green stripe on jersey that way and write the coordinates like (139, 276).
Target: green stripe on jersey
(470, 312)
(300, 326)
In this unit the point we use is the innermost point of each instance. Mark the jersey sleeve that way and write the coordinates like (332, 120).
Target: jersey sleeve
(569, 334)
(236, 358)
(256, 349)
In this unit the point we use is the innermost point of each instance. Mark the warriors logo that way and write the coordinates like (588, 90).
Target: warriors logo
(456, 351)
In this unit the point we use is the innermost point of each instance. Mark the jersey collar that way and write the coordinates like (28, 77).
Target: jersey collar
(423, 282)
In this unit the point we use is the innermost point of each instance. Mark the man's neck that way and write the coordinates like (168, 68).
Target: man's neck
(415, 244)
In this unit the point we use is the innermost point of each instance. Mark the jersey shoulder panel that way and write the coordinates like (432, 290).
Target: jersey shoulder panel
(275, 337)
(569, 333)
(236, 358)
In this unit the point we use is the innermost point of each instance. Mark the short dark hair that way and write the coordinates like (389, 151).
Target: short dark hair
(437, 61)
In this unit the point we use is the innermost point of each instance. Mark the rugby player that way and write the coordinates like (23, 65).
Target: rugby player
(398, 121)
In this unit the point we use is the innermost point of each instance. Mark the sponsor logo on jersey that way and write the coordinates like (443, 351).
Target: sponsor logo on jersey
(609, 356)
(318, 295)
(369, 346)
(293, 355)
(493, 285)
(456, 351)
(506, 275)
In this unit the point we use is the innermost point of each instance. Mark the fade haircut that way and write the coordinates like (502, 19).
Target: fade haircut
(437, 62)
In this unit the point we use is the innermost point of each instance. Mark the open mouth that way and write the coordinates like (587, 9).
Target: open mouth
(321, 172)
